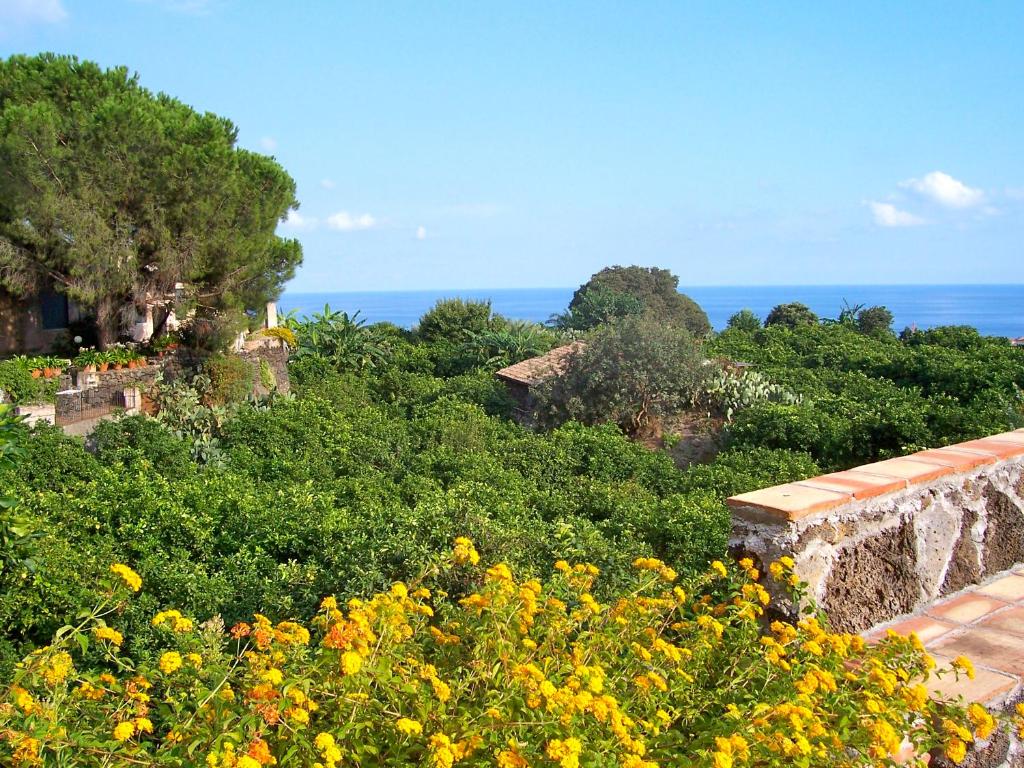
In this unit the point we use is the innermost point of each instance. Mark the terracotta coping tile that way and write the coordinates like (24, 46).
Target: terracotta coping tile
(965, 608)
(998, 448)
(985, 686)
(1017, 436)
(790, 501)
(996, 650)
(1009, 588)
(862, 485)
(907, 469)
(961, 461)
(1010, 621)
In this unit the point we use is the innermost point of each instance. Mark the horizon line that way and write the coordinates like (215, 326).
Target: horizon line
(702, 285)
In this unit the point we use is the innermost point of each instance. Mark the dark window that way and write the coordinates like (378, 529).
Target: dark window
(54, 309)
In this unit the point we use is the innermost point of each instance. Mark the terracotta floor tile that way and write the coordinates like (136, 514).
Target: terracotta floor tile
(1010, 588)
(965, 608)
(926, 627)
(1011, 621)
(986, 648)
(983, 688)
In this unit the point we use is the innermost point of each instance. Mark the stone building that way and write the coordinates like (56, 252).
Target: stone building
(520, 379)
(32, 325)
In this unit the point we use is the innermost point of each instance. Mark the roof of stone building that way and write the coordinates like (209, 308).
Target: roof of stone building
(537, 369)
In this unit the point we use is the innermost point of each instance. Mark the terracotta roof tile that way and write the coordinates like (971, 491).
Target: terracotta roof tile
(537, 369)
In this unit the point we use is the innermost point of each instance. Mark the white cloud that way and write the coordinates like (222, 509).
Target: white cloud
(296, 220)
(269, 143)
(888, 215)
(327, 183)
(347, 222)
(943, 189)
(24, 12)
(421, 233)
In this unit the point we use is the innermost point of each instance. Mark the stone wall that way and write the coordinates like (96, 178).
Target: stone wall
(883, 539)
(88, 395)
(99, 393)
(274, 353)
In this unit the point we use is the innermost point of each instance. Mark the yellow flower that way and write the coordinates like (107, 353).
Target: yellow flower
(565, 752)
(247, 762)
(351, 662)
(956, 750)
(174, 620)
(143, 725)
(441, 689)
(408, 727)
(130, 577)
(58, 667)
(962, 662)
(124, 731)
(719, 567)
(982, 721)
(170, 662)
(464, 552)
(110, 634)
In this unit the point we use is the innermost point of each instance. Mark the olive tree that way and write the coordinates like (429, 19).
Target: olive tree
(633, 372)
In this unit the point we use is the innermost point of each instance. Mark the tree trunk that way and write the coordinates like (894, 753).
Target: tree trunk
(107, 322)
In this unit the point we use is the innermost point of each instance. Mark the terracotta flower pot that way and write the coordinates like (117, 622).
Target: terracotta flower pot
(50, 373)
(37, 372)
(104, 366)
(89, 368)
(132, 365)
(118, 366)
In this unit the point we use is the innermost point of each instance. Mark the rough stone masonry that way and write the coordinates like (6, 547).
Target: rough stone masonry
(883, 539)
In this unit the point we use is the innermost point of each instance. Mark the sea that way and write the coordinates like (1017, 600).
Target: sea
(995, 310)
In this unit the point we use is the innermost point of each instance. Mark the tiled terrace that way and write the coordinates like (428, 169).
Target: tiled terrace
(985, 623)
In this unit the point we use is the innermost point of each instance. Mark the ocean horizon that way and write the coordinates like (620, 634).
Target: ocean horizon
(995, 310)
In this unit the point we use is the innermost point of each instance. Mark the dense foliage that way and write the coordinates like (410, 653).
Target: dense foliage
(867, 396)
(519, 672)
(633, 372)
(110, 193)
(617, 292)
(357, 480)
(18, 385)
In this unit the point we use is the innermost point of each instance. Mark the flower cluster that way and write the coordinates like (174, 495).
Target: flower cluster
(515, 673)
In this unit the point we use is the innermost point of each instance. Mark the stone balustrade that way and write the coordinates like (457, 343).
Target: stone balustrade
(882, 540)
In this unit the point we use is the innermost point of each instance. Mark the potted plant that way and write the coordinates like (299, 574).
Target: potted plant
(52, 366)
(87, 360)
(34, 365)
(103, 361)
(163, 344)
(118, 357)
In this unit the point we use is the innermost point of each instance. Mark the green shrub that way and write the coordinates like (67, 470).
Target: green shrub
(452, 320)
(625, 291)
(632, 373)
(791, 315)
(18, 385)
(231, 379)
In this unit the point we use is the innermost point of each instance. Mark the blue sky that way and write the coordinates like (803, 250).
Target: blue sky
(528, 144)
